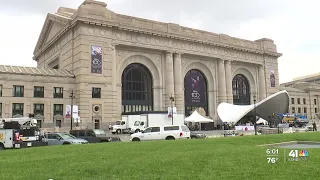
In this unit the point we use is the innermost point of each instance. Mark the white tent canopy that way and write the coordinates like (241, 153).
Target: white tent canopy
(196, 117)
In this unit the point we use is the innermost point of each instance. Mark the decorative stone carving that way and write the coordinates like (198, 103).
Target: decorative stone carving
(166, 42)
(138, 37)
(90, 30)
(212, 65)
(183, 63)
(102, 32)
(183, 45)
(39, 117)
(118, 35)
(121, 54)
(58, 117)
(156, 58)
(169, 54)
(157, 41)
(128, 36)
(148, 39)
(178, 44)
(253, 69)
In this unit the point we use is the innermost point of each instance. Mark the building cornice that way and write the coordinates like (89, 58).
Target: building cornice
(174, 36)
(115, 25)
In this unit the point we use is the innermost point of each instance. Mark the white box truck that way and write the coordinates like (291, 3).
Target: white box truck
(123, 126)
(150, 120)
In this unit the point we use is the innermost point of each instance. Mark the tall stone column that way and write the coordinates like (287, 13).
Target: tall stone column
(229, 82)
(116, 94)
(221, 81)
(178, 85)
(262, 83)
(114, 67)
(169, 82)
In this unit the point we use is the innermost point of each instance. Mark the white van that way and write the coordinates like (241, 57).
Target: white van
(168, 132)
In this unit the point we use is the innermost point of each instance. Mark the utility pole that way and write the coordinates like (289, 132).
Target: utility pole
(71, 96)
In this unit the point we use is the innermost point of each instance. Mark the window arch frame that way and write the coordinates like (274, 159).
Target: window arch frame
(136, 90)
(241, 90)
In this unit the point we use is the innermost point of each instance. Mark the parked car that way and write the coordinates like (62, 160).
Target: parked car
(94, 135)
(60, 138)
(195, 135)
(169, 132)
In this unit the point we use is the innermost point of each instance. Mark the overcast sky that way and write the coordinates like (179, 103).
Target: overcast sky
(292, 24)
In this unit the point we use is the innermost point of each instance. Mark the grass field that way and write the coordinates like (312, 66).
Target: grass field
(220, 158)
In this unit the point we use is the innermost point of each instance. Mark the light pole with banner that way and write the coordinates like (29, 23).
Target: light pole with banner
(255, 115)
(74, 109)
(172, 100)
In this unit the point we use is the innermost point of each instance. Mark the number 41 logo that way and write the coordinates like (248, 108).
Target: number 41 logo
(293, 153)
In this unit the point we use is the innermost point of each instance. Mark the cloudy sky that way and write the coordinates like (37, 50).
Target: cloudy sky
(292, 24)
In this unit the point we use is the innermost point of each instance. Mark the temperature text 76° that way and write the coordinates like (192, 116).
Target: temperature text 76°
(272, 160)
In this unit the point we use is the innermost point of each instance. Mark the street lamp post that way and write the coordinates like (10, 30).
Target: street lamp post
(255, 115)
(72, 97)
(172, 100)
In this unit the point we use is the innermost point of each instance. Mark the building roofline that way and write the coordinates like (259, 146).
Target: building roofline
(34, 71)
(157, 28)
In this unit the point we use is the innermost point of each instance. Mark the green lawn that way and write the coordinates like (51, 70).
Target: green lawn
(220, 158)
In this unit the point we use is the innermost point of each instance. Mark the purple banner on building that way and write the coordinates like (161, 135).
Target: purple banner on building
(272, 79)
(96, 59)
(195, 88)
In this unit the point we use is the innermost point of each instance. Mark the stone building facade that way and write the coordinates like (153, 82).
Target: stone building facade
(304, 95)
(117, 64)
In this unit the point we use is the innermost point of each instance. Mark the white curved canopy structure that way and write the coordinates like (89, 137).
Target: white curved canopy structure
(276, 103)
(196, 117)
(262, 121)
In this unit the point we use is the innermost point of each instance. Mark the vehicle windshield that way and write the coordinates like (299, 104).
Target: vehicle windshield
(99, 132)
(137, 123)
(118, 122)
(66, 136)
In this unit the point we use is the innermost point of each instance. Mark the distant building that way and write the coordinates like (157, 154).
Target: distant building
(116, 63)
(304, 95)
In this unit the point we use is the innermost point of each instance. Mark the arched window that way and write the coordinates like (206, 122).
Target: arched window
(241, 90)
(136, 89)
(195, 91)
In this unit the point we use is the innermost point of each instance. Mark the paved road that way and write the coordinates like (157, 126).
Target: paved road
(216, 133)
(210, 134)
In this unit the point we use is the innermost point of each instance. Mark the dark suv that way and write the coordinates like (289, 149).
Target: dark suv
(94, 135)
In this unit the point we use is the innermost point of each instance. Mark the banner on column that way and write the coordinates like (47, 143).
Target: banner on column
(96, 59)
(272, 78)
(172, 110)
(74, 109)
(195, 88)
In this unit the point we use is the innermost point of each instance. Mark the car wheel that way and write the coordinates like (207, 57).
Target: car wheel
(137, 130)
(135, 139)
(192, 137)
(170, 138)
(113, 132)
(2, 147)
(118, 131)
(66, 143)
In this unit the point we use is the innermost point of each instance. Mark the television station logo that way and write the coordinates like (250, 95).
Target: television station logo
(296, 155)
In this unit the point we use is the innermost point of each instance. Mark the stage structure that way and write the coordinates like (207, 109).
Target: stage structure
(276, 103)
